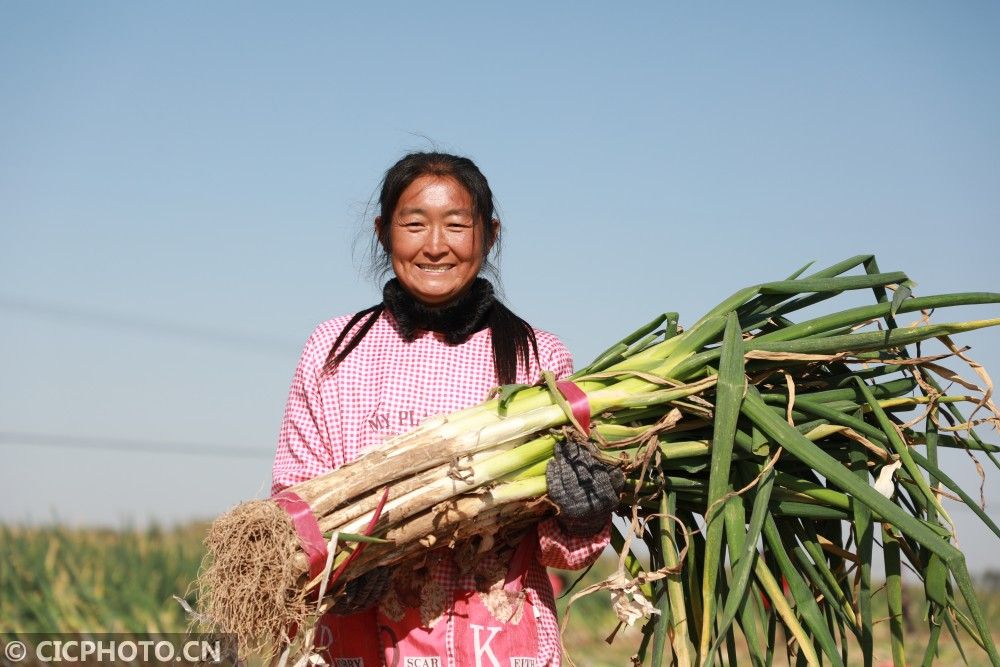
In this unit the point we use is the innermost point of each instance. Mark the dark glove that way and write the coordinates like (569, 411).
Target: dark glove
(364, 592)
(584, 489)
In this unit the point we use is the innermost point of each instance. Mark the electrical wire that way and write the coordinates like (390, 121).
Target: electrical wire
(122, 322)
(132, 445)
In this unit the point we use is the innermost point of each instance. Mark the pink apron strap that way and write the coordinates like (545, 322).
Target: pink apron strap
(521, 561)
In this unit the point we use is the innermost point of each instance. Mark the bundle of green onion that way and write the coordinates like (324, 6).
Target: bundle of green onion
(749, 438)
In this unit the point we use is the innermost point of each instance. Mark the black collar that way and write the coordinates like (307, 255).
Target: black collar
(457, 320)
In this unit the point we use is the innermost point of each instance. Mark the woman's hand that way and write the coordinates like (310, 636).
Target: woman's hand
(584, 489)
(364, 592)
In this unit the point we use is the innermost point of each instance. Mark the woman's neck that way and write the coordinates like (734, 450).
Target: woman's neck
(457, 320)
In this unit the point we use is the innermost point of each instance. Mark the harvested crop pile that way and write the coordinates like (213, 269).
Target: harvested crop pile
(788, 449)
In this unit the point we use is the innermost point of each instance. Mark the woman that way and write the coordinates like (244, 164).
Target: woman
(439, 342)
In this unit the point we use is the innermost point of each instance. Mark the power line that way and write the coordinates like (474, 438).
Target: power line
(122, 322)
(134, 446)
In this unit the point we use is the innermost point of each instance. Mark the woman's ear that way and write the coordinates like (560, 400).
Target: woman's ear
(493, 233)
(379, 230)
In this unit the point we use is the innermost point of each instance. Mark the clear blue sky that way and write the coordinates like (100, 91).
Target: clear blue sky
(181, 186)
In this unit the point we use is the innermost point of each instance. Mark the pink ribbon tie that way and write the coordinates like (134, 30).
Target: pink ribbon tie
(578, 403)
(307, 529)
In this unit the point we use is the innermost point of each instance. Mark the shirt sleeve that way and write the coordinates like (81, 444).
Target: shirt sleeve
(304, 449)
(566, 552)
(554, 356)
(557, 548)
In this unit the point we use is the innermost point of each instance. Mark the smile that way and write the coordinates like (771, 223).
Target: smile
(435, 268)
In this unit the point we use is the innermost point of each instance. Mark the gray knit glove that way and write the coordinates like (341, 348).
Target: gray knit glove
(364, 592)
(584, 489)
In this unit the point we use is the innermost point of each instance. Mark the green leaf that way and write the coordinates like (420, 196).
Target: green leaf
(903, 292)
(680, 632)
(690, 366)
(506, 392)
(729, 396)
(891, 389)
(840, 284)
(814, 457)
(930, 653)
(659, 528)
(355, 537)
(902, 450)
(743, 555)
(782, 609)
(864, 538)
(616, 352)
(671, 329)
(838, 587)
(806, 605)
(800, 271)
(894, 594)
(880, 437)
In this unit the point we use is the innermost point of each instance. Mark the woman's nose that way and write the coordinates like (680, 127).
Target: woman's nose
(436, 244)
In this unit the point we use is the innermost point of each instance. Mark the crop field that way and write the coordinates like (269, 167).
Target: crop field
(68, 580)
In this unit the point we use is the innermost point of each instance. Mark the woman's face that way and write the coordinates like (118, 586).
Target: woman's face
(437, 245)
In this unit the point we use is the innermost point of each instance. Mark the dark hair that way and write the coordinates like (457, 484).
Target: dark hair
(513, 338)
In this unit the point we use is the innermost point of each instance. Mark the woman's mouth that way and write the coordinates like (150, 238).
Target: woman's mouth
(434, 268)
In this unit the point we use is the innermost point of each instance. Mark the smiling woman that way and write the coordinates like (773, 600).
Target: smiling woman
(440, 233)
(438, 342)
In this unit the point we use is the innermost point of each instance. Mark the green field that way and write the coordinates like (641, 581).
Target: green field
(66, 580)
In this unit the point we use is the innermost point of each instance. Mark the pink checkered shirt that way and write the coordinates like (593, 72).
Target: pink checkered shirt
(385, 387)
